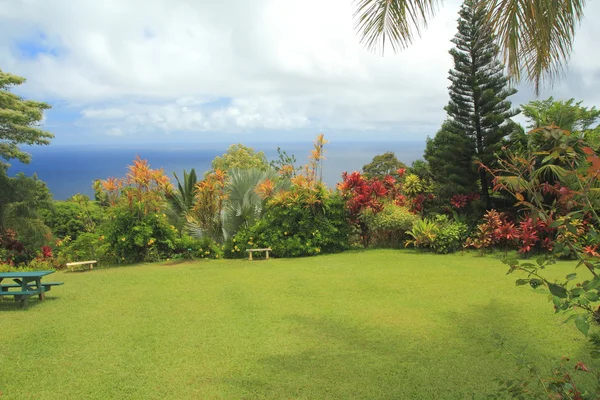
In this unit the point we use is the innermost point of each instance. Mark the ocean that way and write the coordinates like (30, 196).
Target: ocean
(68, 170)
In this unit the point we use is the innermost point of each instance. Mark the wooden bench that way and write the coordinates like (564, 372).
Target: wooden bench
(71, 266)
(250, 251)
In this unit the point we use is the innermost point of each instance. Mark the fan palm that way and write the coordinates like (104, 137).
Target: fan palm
(244, 206)
(535, 36)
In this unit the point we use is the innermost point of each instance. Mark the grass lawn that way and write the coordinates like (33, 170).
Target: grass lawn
(374, 325)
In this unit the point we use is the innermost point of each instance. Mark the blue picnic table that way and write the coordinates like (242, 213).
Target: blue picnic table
(25, 285)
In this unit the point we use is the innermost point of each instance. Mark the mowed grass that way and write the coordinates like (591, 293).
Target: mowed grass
(371, 325)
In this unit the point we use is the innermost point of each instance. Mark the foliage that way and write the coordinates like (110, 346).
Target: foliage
(563, 381)
(86, 246)
(244, 204)
(187, 248)
(241, 157)
(134, 238)
(388, 227)
(137, 229)
(19, 121)
(21, 200)
(568, 204)
(361, 195)
(73, 217)
(567, 115)
(535, 37)
(301, 222)
(527, 234)
(142, 191)
(383, 165)
(450, 158)
(439, 234)
(205, 218)
(284, 165)
(478, 111)
(181, 201)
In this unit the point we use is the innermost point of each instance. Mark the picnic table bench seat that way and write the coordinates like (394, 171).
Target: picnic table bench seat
(20, 295)
(47, 285)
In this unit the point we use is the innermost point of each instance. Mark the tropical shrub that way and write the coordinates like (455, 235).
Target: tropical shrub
(134, 238)
(298, 223)
(72, 217)
(388, 227)
(187, 248)
(439, 234)
(87, 246)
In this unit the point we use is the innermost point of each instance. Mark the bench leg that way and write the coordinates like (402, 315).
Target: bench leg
(250, 255)
(42, 295)
(267, 257)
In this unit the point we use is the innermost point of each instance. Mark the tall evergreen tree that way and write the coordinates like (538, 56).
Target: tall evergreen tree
(478, 108)
(450, 158)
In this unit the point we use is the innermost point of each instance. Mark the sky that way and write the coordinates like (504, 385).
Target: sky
(192, 71)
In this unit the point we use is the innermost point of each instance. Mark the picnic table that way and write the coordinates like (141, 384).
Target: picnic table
(25, 284)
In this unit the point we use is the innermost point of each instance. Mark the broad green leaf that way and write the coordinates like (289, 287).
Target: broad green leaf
(521, 282)
(591, 296)
(557, 290)
(572, 276)
(582, 323)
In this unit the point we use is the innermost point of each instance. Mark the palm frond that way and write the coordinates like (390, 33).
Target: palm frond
(393, 21)
(535, 36)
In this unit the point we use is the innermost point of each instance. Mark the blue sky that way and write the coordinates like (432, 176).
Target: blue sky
(190, 71)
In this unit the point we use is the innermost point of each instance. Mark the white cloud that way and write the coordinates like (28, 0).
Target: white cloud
(236, 65)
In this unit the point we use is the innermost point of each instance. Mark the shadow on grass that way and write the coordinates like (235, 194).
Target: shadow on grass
(8, 304)
(340, 360)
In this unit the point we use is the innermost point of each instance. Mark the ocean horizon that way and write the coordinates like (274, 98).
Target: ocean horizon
(68, 170)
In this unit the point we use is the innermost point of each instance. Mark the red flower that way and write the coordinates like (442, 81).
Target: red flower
(591, 251)
(459, 201)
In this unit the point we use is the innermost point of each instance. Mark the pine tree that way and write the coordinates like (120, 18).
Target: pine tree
(450, 158)
(478, 108)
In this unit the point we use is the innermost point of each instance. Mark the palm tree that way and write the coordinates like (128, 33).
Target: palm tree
(181, 200)
(535, 36)
(243, 206)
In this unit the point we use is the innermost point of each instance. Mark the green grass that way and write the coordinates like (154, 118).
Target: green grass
(377, 324)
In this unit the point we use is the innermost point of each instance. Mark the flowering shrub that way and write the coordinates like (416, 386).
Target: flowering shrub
(187, 248)
(133, 238)
(303, 222)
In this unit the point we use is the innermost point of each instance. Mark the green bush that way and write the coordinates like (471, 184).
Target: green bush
(134, 237)
(439, 234)
(388, 227)
(70, 218)
(295, 228)
(87, 246)
(187, 248)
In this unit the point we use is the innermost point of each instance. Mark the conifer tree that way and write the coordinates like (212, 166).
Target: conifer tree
(478, 108)
(450, 158)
